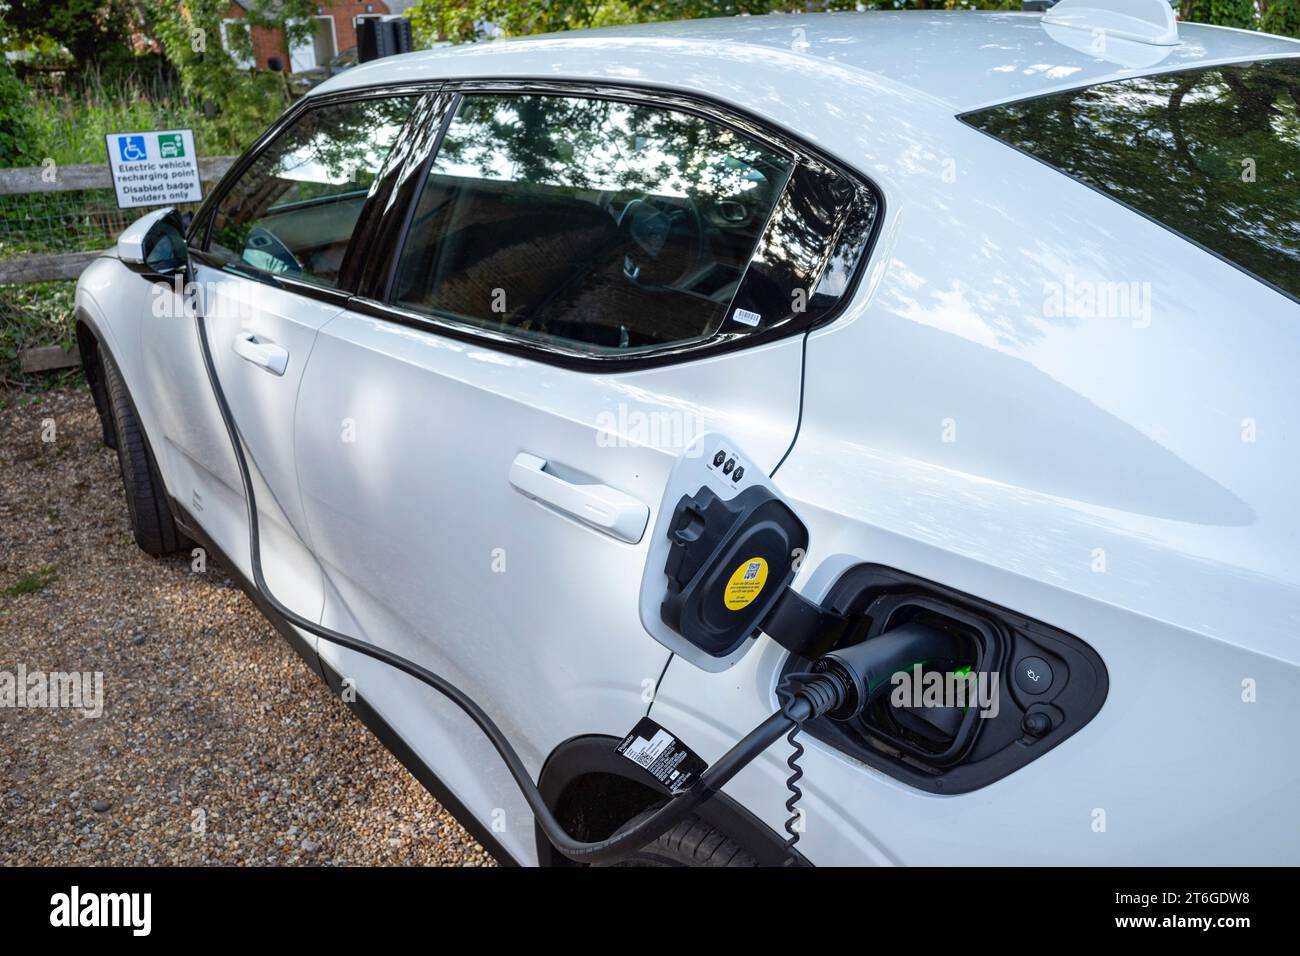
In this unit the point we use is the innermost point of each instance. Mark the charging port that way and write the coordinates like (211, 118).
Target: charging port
(972, 693)
(932, 709)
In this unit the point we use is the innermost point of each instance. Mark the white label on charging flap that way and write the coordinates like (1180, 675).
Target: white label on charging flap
(645, 752)
(661, 754)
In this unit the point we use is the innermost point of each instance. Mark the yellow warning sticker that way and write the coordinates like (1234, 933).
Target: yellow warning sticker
(746, 584)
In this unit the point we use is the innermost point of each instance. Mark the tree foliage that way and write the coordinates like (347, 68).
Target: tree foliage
(13, 116)
(91, 30)
(465, 20)
(1272, 16)
(1281, 17)
(1233, 13)
(191, 39)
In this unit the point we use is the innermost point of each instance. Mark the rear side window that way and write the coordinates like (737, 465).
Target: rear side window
(292, 211)
(597, 225)
(1213, 154)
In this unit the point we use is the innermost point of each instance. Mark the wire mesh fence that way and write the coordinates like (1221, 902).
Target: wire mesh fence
(49, 232)
(75, 211)
(53, 222)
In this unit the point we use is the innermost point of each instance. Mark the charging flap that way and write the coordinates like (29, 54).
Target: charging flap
(724, 549)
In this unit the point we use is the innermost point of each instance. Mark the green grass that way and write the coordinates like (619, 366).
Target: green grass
(32, 581)
(40, 313)
(69, 127)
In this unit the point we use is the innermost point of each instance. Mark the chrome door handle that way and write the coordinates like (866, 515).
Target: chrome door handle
(604, 508)
(261, 352)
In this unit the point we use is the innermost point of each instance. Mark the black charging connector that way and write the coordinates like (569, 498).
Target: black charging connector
(865, 669)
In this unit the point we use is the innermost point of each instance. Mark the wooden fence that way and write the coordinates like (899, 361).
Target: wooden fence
(42, 267)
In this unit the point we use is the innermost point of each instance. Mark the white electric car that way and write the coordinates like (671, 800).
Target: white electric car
(617, 375)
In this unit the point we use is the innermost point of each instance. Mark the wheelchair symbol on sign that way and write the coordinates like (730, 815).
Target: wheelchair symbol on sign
(132, 149)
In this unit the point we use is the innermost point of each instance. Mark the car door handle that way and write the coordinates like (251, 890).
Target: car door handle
(604, 508)
(261, 352)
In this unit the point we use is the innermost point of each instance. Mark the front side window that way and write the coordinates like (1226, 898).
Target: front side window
(1212, 153)
(592, 224)
(292, 211)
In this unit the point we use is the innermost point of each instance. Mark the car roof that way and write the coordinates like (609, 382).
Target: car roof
(959, 60)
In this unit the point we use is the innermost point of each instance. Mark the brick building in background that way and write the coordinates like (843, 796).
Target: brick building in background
(334, 34)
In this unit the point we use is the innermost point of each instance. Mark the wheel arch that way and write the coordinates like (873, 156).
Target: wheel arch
(92, 365)
(593, 790)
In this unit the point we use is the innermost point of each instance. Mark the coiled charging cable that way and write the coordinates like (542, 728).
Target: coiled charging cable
(787, 692)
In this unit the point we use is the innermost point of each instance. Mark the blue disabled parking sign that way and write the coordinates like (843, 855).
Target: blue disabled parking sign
(132, 149)
(156, 168)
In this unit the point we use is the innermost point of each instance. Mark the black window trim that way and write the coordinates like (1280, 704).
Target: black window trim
(366, 296)
(205, 217)
(398, 226)
(967, 118)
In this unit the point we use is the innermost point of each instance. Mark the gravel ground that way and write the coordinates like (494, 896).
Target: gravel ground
(217, 745)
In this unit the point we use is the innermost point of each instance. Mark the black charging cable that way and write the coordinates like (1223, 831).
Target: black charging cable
(816, 695)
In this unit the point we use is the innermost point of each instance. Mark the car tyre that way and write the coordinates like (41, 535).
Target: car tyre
(692, 842)
(146, 500)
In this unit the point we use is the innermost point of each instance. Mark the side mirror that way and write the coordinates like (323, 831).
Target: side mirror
(155, 242)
